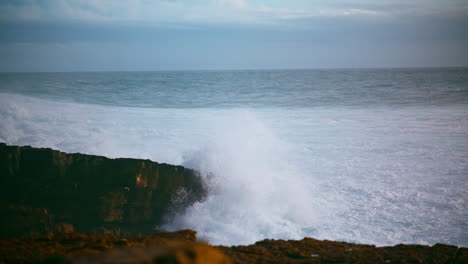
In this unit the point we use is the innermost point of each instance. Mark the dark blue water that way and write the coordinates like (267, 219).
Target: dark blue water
(277, 88)
(371, 156)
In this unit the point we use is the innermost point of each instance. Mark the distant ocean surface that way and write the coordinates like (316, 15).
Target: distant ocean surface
(374, 156)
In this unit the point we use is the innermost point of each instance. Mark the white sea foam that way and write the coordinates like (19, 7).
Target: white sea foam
(255, 189)
(381, 176)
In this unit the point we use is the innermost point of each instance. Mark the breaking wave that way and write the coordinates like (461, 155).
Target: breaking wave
(380, 176)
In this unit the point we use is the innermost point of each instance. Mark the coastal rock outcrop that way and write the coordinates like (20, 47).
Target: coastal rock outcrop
(74, 208)
(182, 247)
(309, 250)
(46, 191)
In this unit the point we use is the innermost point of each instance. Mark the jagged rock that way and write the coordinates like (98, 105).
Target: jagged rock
(182, 247)
(43, 187)
(309, 250)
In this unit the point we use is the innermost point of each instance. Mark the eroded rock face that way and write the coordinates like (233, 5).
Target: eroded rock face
(43, 188)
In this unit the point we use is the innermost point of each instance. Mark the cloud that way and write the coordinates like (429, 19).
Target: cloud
(357, 11)
(239, 11)
(231, 3)
(23, 12)
(57, 35)
(399, 8)
(90, 10)
(276, 15)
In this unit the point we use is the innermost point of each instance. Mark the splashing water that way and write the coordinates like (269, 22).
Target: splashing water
(380, 158)
(254, 189)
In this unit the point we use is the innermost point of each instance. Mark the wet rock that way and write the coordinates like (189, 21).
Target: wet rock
(43, 187)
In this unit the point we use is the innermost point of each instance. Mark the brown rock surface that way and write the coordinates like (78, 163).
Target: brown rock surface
(309, 250)
(175, 247)
(42, 188)
(181, 247)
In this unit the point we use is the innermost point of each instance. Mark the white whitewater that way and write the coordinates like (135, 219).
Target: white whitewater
(380, 176)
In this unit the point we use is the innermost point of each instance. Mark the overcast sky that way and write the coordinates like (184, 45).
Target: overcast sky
(114, 35)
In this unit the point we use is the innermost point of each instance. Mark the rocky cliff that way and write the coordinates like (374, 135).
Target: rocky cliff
(45, 191)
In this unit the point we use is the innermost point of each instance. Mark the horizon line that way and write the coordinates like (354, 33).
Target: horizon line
(250, 69)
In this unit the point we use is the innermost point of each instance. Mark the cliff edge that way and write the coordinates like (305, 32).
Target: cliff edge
(183, 248)
(46, 191)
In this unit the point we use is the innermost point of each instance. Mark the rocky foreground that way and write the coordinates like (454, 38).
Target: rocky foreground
(182, 247)
(73, 208)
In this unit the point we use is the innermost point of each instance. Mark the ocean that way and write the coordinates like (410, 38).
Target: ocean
(375, 156)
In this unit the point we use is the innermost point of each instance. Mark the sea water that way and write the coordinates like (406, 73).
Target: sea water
(374, 156)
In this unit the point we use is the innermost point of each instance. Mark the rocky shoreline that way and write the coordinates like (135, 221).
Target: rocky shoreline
(183, 247)
(45, 190)
(74, 208)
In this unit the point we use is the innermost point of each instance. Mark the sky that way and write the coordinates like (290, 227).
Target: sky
(132, 35)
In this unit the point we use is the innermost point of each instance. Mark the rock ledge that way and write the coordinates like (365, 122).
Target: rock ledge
(46, 191)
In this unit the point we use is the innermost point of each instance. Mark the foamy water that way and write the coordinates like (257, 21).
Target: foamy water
(382, 174)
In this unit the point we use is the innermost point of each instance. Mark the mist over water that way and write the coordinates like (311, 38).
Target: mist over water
(377, 156)
(256, 189)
